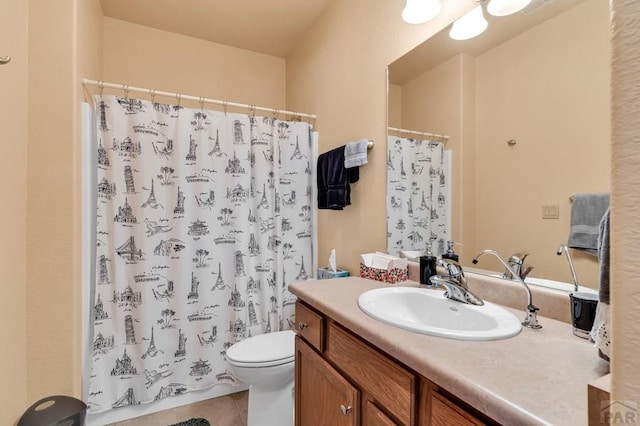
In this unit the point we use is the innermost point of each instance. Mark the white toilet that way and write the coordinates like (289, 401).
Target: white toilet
(266, 363)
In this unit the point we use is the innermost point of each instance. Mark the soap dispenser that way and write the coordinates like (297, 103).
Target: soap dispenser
(427, 266)
(450, 254)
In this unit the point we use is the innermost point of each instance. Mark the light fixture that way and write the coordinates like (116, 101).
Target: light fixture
(470, 25)
(506, 7)
(420, 11)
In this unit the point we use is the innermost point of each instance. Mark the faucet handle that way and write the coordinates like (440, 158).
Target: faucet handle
(526, 271)
(518, 257)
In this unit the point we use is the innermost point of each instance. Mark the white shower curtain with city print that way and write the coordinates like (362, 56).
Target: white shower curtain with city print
(416, 195)
(204, 217)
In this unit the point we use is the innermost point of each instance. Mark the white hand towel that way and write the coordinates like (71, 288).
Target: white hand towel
(355, 154)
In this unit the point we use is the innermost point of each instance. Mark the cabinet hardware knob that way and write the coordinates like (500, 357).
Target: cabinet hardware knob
(302, 325)
(345, 410)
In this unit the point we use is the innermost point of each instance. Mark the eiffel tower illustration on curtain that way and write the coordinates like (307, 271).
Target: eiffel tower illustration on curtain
(217, 151)
(302, 275)
(220, 284)
(263, 201)
(152, 351)
(297, 154)
(151, 201)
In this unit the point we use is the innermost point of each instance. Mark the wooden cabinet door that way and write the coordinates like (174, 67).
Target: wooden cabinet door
(323, 396)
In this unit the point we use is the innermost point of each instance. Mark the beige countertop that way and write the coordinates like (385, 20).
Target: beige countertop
(536, 377)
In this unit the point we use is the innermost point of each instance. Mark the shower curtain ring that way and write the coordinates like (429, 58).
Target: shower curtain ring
(126, 91)
(202, 103)
(152, 93)
(100, 88)
(178, 98)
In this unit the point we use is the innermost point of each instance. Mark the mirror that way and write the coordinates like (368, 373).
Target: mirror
(526, 106)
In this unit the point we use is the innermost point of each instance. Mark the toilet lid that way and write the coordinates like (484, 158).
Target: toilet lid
(264, 348)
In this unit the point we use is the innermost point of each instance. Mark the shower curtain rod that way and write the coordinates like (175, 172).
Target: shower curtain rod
(413, 132)
(202, 100)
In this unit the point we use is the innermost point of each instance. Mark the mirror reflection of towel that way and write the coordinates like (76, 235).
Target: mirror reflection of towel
(334, 190)
(586, 213)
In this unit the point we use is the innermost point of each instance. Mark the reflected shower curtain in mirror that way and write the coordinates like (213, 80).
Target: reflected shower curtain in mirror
(416, 195)
(203, 219)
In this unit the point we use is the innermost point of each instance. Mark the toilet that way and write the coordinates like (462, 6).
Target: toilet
(265, 363)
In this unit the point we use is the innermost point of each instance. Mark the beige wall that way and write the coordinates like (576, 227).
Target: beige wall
(548, 89)
(395, 106)
(13, 210)
(338, 71)
(64, 42)
(145, 57)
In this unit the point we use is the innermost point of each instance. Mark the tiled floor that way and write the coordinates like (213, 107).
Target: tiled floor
(229, 410)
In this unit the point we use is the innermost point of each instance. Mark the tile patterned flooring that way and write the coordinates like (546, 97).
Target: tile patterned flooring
(228, 410)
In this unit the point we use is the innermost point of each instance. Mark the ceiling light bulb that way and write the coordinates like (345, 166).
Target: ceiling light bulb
(469, 26)
(506, 7)
(420, 11)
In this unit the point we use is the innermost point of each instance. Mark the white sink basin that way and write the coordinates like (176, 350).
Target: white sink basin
(429, 312)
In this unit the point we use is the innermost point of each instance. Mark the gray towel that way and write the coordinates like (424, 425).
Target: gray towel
(586, 213)
(603, 257)
(355, 154)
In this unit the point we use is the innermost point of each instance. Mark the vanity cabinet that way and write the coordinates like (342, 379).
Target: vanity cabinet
(323, 396)
(342, 380)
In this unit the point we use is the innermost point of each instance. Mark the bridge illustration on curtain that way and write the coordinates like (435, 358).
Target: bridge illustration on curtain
(203, 218)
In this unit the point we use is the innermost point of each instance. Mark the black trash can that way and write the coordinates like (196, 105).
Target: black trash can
(57, 410)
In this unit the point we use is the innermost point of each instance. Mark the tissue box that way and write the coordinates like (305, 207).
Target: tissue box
(382, 267)
(326, 273)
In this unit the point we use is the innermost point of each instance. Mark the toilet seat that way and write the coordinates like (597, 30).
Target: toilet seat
(265, 350)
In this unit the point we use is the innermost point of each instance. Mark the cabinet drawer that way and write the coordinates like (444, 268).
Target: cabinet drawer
(388, 384)
(310, 326)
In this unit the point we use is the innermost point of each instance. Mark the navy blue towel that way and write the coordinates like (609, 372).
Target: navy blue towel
(334, 190)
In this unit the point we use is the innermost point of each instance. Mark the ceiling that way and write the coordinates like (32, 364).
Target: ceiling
(265, 26)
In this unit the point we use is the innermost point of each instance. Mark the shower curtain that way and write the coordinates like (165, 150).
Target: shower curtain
(416, 195)
(203, 218)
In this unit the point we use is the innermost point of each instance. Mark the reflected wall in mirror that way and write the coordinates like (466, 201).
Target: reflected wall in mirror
(540, 79)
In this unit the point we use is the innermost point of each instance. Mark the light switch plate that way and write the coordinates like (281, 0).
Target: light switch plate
(551, 211)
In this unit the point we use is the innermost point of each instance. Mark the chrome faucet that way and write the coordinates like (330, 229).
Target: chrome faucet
(516, 261)
(531, 314)
(564, 248)
(454, 283)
